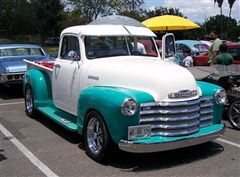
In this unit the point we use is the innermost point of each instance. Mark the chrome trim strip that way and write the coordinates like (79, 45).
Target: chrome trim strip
(180, 111)
(169, 119)
(205, 105)
(9, 74)
(130, 146)
(205, 124)
(176, 126)
(176, 133)
(206, 111)
(204, 118)
(162, 103)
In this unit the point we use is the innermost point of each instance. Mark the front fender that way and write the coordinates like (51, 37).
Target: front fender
(107, 101)
(210, 90)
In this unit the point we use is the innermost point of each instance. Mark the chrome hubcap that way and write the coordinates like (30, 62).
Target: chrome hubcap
(29, 100)
(94, 135)
(235, 114)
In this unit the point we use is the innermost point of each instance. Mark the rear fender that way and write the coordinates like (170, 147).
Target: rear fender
(40, 84)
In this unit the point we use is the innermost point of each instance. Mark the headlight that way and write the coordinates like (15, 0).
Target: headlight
(129, 107)
(220, 96)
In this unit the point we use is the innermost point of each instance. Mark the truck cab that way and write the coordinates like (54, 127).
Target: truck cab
(105, 86)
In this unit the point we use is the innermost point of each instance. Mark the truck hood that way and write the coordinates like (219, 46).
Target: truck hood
(156, 77)
(13, 67)
(16, 64)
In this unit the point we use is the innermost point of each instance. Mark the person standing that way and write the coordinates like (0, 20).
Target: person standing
(214, 48)
(188, 60)
(223, 58)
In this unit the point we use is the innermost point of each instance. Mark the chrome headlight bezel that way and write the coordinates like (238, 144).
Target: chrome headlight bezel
(129, 107)
(220, 97)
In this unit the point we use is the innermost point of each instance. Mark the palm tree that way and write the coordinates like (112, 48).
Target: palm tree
(220, 2)
(230, 2)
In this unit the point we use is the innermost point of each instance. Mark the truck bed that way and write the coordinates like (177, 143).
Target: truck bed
(46, 66)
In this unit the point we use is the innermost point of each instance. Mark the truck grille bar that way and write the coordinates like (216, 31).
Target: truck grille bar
(177, 118)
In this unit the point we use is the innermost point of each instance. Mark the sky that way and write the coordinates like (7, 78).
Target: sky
(196, 10)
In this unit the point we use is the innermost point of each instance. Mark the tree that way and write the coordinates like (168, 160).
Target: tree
(49, 17)
(220, 2)
(130, 8)
(158, 11)
(89, 10)
(213, 23)
(230, 2)
(14, 15)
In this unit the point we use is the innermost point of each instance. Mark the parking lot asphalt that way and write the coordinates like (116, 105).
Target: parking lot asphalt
(50, 150)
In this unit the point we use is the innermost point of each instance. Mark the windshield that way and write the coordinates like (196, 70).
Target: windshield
(109, 46)
(201, 48)
(20, 52)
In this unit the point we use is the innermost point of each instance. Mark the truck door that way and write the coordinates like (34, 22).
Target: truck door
(66, 73)
(168, 47)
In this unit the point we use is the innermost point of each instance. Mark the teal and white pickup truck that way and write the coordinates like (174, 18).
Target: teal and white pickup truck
(106, 86)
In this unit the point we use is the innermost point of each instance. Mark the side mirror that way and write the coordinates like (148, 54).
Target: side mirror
(72, 55)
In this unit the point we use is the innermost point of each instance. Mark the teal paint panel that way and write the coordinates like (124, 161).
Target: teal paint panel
(107, 101)
(210, 90)
(64, 119)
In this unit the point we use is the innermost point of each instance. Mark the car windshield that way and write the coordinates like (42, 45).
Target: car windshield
(109, 46)
(20, 52)
(201, 48)
(235, 52)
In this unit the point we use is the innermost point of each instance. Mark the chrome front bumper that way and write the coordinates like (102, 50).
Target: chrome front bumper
(145, 147)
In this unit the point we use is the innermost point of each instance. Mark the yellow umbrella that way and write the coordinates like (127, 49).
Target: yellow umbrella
(169, 22)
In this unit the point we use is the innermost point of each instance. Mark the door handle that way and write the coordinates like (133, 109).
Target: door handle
(57, 65)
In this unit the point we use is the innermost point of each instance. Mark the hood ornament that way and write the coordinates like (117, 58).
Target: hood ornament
(182, 94)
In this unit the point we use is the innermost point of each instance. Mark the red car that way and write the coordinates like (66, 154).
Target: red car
(233, 49)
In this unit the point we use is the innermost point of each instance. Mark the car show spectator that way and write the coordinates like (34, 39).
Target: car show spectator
(188, 60)
(223, 58)
(214, 47)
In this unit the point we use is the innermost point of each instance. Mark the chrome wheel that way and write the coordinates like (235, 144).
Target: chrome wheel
(29, 100)
(234, 114)
(98, 143)
(95, 136)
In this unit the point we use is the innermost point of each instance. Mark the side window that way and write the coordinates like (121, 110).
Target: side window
(70, 45)
(181, 47)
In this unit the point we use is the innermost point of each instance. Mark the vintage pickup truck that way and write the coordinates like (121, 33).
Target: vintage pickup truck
(105, 86)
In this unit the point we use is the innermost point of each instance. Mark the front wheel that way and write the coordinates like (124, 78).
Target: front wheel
(234, 114)
(29, 102)
(96, 137)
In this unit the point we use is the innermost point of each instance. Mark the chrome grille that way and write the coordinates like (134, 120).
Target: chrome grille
(177, 118)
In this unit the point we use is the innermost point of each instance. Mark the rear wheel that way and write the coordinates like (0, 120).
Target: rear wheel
(29, 101)
(234, 114)
(97, 140)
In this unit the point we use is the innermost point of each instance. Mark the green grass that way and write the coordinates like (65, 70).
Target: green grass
(51, 50)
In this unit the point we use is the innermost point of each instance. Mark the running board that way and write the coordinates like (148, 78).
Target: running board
(64, 119)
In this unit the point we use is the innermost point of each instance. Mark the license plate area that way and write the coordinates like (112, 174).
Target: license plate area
(139, 132)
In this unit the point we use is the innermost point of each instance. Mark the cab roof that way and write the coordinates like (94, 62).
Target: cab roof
(108, 30)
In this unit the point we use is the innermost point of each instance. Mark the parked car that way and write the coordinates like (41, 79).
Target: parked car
(202, 59)
(5, 41)
(104, 88)
(12, 66)
(52, 41)
(198, 49)
(227, 77)
(234, 50)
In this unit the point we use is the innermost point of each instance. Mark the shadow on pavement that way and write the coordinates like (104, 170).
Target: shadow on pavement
(11, 92)
(131, 162)
(72, 137)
